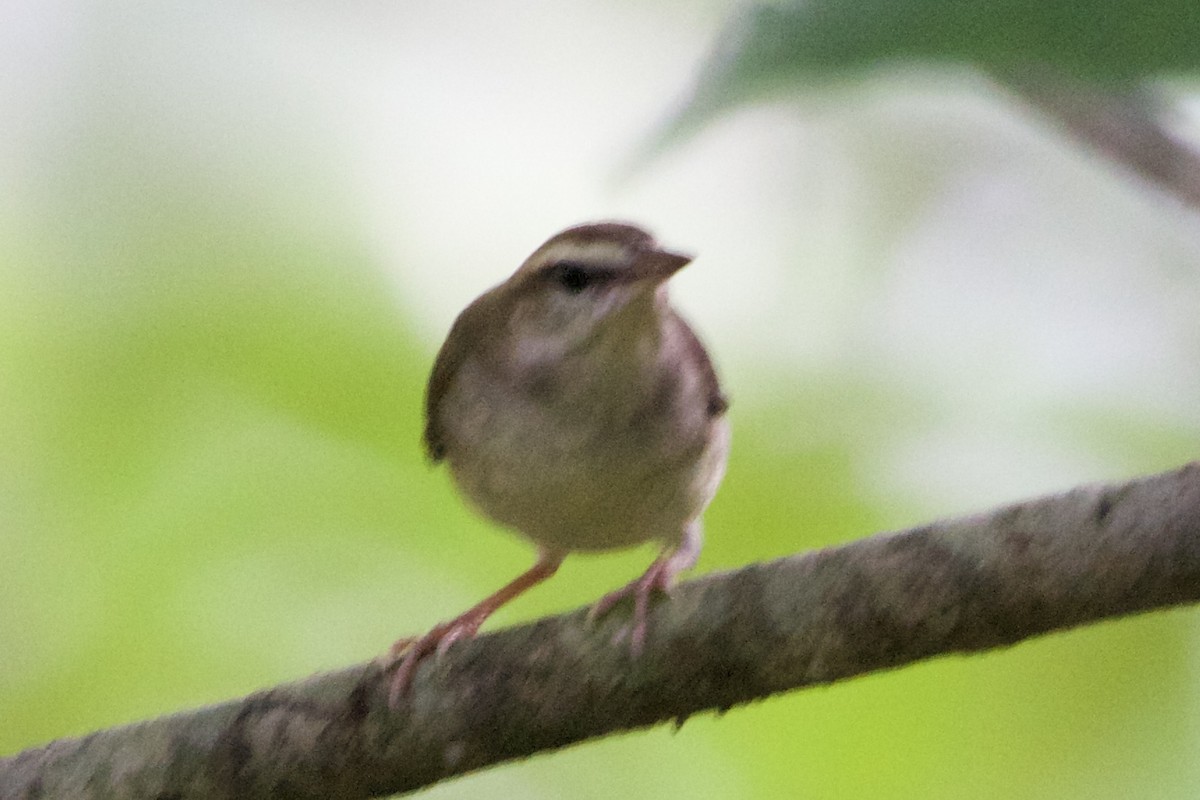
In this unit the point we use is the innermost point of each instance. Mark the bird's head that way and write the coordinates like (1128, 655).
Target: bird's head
(585, 281)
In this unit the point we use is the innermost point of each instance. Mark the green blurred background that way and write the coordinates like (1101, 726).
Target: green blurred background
(235, 233)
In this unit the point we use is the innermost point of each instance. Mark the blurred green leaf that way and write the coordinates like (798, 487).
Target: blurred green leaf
(769, 48)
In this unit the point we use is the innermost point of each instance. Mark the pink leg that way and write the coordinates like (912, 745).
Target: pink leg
(464, 626)
(660, 577)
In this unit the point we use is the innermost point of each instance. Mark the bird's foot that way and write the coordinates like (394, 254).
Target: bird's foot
(411, 651)
(658, 578)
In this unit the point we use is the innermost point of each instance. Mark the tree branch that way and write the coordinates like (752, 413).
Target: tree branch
(950, 587)
(1126, 126)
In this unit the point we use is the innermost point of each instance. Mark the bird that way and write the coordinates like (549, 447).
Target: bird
(576, 407)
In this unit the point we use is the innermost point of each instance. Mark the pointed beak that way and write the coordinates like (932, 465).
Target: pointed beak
(658, 265)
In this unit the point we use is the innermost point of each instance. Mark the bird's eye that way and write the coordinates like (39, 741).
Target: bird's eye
(572, 276)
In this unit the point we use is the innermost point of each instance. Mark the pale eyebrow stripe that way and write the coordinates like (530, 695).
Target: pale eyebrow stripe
(591, 253)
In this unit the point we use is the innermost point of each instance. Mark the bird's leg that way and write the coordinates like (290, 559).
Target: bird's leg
(411, 651)
(660, 577)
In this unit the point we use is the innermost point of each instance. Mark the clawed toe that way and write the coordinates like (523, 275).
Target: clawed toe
(399, 648)
(606, 603)
(408, 653)
(411, 652)
(655, 579)
(464, 630)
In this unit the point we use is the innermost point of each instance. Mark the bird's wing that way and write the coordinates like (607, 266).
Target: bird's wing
(463, 338)
(718, 403)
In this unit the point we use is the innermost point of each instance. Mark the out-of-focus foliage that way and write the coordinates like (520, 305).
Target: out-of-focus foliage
(803, 43)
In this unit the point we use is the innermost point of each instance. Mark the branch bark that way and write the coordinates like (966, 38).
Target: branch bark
(1126, 126)
(956, 586)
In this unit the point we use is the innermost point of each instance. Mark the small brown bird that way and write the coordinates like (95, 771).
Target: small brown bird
(575, 406)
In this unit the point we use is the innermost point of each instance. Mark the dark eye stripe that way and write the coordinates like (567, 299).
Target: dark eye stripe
(576, 276)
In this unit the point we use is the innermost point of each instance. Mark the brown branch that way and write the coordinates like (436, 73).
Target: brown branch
(950, 587)
(1126, 126)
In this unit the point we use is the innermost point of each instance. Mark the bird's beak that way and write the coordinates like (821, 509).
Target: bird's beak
(658, 265)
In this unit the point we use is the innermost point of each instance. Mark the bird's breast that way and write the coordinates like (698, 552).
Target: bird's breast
(584, 460)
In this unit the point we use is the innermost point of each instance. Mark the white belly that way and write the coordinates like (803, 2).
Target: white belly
(596, 482)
